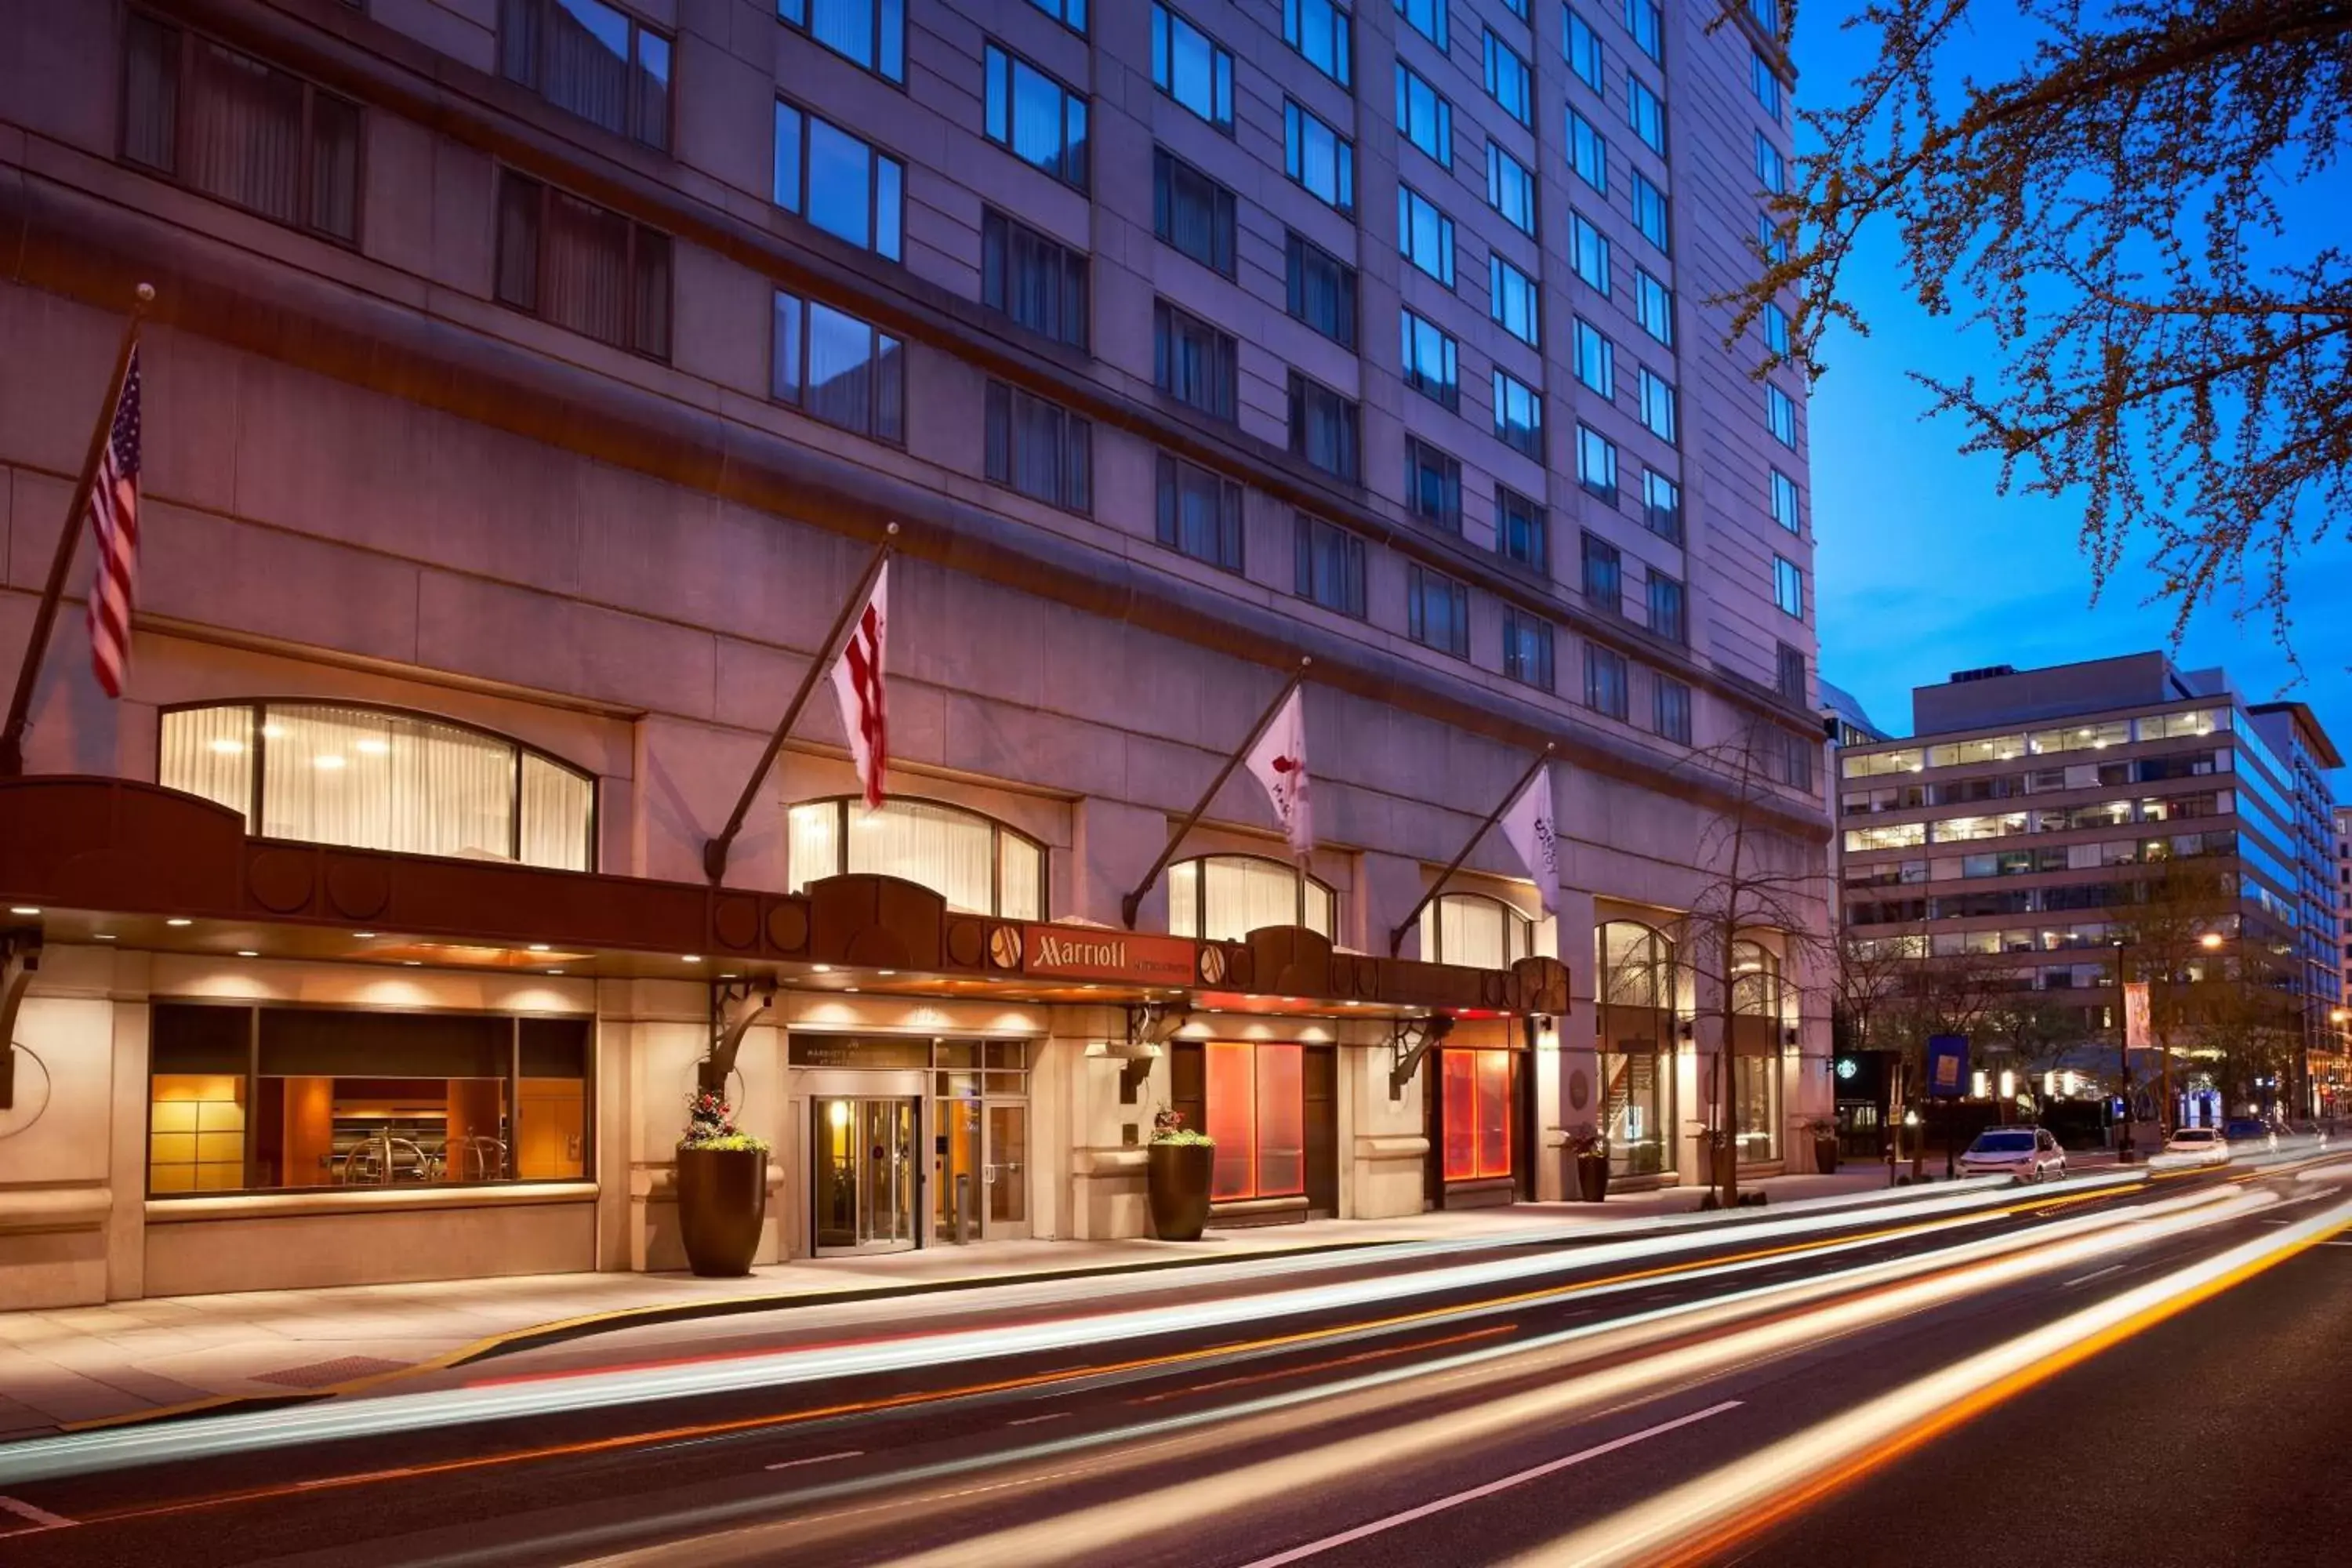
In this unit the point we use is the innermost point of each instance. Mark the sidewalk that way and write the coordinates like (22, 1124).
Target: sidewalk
(129, 1359)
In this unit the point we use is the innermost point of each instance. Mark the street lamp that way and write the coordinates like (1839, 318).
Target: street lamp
(2123, 1053)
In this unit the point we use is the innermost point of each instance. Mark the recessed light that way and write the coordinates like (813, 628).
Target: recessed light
(729, 975)
(539, 947)
(179, 920)
(23, 910)
(413, 962)
(819, 969)
(690, 958)
(555, 971)
(102, 936)
(364, 936)
(850, 990)
(246, 953)
(885, 974)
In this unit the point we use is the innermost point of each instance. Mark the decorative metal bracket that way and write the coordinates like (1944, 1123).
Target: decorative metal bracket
(1410, 1039)
(735, 1007)
(20, 954)
(1149, 1025)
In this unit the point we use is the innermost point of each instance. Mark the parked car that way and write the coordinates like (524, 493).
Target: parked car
(2029, 1154)
(2245, 1132)
(2197, 1146)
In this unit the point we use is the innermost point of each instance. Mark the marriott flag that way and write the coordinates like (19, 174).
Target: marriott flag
(1528, 823)
(1279, 761)
(857, 683)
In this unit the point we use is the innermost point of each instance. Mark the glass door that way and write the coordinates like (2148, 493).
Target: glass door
(1006, 1172)
(863, 1186)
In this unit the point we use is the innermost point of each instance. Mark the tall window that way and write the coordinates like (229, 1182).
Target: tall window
(1432, 485)
(1596, 463)
(1318, 158)
(1781, 415)
(582, 267)
(1191, 361)
(1425, 235)
(1521, 531)
(1604, 575)
(1590, 151)
(1508, 80)
(1320, 289)
(1772, 172)
(1330, 567)
(1766, 84)
(1191, 212)
(1668, 616)
(1671, 709)
(1510, 189)
(1654, 307)
(1476, 929)
(1646, 114)
(1431, 362)
(590, 59)
(378, 778)
(1437, 612)
(1647, 22)
(1784, 502)
(1528, 648)
(1596, 358)
(1518, 414)
(1604, 680)
(873, 33)
(1662, 505)
(1474, 1096)
(839, 368)
(1325, 428)
(1658, 404)
(1511, 300)
(1191, 67)
(1071, 14)
(1033, 116)
(1424, 116)
(1584, 56)
(1774, 322)
(1650, 212)
(839, 182)
(1322, 32)
(1253, 1105)
(1789, 674)
(1788, 586)
(1200, 513)
(977, 864)
(1038, 282)
(1427, 17)
(1223, 898)
(1039, 448)
(1772, 239)
(1589, 252)
(1637, 995)
(225, 124)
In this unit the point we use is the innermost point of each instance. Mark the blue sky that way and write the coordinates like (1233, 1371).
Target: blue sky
(1924, 568)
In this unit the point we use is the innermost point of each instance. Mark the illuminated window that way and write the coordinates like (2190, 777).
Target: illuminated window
(976, 863)
(1223, 898)
(1475, 929)
(1474, 1091)
(1256, 1109)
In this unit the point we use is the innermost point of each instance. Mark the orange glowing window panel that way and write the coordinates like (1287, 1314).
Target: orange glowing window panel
(1257, 1113)
(1475, 1102)
(1232, 1111)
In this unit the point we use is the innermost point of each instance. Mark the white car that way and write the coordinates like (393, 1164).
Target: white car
(2029, 1154)
(2197, 1146)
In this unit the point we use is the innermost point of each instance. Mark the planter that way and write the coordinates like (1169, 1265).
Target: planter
(1825, 1152)
(722, 1198)
(1178, 1179)
(1592, 1177)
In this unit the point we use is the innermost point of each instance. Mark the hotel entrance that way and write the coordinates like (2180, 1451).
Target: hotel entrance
(865, 1173)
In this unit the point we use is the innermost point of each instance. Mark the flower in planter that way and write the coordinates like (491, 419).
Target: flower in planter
(710, 1124)
(1587, 1142)
(1167, 1127)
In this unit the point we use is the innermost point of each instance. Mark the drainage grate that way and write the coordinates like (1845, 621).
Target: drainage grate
(320, 1373)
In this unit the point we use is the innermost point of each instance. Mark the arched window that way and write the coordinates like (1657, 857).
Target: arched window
(1223, 898)
(1475, 929)
(378, 778)
(976, 863)
(1637, 965)
(1755, 981)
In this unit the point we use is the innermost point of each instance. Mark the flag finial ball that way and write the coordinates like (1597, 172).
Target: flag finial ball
(146, 292)
(892, 530)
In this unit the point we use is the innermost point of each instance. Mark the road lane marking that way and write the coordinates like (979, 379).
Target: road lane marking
(818, 1459)
(2094, 1274)
(1033, 1420)
(1534, 1472)
(39, 1516)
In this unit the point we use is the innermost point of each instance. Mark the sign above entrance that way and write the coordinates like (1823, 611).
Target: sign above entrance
(1063, 953)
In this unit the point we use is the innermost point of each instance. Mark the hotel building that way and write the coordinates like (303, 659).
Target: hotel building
(528, 384)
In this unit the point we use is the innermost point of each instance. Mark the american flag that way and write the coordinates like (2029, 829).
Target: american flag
(114, 518)
(858, 683)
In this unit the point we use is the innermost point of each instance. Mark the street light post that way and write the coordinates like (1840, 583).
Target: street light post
(2123, 1054)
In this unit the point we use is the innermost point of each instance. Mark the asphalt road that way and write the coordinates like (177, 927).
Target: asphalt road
(2150, 1375)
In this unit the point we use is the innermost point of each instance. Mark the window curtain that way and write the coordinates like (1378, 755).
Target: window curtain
(244, 133)
(1244, 896)
(558, 814)
(208, 752)
(1475, 930)
(1022, 879)
(380, 781)
(945, 850)
(1185, 898)
(334, 166)
(586, 61)
(151, 87)
(840, 369)
(813, 842)
(584, 273)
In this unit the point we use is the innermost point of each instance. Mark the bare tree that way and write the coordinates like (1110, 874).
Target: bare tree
(2030, 1034)
(2115, 212)
(2183, 909)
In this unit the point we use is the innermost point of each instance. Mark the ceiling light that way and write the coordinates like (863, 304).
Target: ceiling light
(328, 763)
(246, 953)
(690, 958)
(413, 962)
(179, 920)
(23, 910)
(102, 936)
(363, 935)
(819, 969)
(724, 974)
(885, 974)
(852, 990)
(539, 947)
(555, 971)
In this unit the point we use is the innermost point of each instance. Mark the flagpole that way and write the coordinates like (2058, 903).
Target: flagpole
(1396, 937)
(36, 647)
(714, 853)
(1133, 901)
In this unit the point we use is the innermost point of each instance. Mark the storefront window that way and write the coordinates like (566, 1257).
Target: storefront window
(977, 864)
(1256, 1109)
(1475, 929)
(1636, 1022)
(376, 779)
(1223, 898)
(1756, 1025)
(279, 1098)
(1475, 1101)
(1756, 1087)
